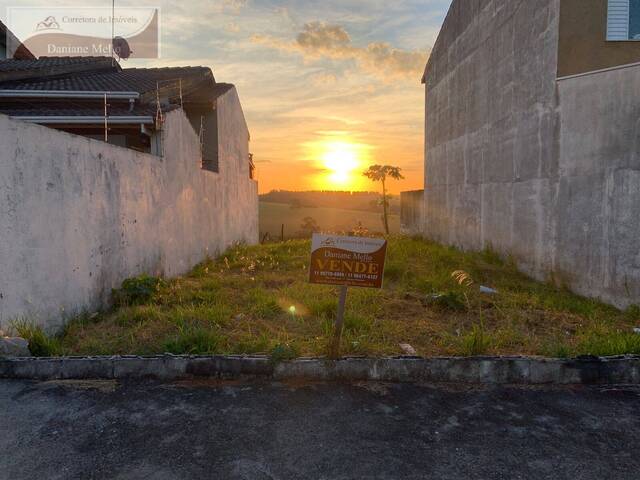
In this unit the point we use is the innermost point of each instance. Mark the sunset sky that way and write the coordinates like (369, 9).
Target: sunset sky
(328, 87)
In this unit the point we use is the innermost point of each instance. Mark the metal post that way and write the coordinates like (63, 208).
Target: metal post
(337, 334)
(106, 125)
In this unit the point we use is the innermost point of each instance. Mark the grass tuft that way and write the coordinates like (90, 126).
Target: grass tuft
(283, 352)
(40, 344)
(476, 342)
(194, 341)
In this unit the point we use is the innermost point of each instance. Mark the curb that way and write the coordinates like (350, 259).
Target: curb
(475, 370)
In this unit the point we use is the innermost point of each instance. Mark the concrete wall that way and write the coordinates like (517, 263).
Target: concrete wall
(598, 207)
(583, 44)
(78, 216)
(412, 212)
(544, 170)
(491, 120)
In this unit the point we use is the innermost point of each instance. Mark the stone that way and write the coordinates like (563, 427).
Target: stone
(408, 349)
(14, 347)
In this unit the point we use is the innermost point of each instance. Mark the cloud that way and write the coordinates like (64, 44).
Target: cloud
(234, 5)
(322, 40)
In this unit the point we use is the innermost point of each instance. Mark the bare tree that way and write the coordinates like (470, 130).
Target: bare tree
(380, 173)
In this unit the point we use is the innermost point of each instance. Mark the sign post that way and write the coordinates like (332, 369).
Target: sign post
(346, 262)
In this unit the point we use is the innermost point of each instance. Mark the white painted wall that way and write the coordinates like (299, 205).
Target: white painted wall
(78, 216)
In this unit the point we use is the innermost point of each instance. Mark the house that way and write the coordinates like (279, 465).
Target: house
(532, 139)
(108, 173)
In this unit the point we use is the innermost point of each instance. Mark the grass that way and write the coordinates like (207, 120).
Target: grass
(256, 300)
(273, 215)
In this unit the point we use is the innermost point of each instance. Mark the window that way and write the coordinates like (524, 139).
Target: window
(623, 20)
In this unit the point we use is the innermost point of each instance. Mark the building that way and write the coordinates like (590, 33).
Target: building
(533, 139)
(108, 173)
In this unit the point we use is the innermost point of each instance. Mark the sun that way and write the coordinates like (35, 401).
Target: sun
(341, 160)
(337, 161)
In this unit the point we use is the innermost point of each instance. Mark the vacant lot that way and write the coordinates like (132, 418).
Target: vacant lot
(257, 300)
(273, 215)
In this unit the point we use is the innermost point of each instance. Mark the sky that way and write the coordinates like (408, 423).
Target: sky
(327, 87)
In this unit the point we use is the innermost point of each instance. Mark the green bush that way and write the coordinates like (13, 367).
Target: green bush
(283, 352)
(137, 291)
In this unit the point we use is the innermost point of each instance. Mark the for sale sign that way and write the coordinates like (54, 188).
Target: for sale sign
(348, 261)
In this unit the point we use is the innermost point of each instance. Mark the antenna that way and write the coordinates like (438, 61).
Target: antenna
(159, 118)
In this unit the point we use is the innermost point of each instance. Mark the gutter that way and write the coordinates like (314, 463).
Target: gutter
(69, 94)
(87, 120)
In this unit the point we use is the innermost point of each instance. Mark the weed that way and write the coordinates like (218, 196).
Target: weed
(602, 343)
(633, 313)
(137, 291)
(283, 352)
(40, 344)
(135, 316)
(557, 349)
(324, 308)
(492, 257)
(448, 301)
(476, 342)
(394, 271)
(262, 304)
(194, 341)
(249, 345)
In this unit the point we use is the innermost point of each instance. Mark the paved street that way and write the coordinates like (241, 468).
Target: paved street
(266, 430)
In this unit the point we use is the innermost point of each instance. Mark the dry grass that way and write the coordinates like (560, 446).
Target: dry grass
(241, 303)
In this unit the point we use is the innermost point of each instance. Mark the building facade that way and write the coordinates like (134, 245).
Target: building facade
(533, 139)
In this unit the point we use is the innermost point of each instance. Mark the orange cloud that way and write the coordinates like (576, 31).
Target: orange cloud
(322, 40)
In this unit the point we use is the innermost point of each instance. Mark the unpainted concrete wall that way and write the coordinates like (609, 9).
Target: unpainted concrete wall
(412, 212)
(542, 170)
(78, 216)
(597, 244)
(491, 161)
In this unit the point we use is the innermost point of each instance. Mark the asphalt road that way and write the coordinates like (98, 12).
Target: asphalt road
(266, 430)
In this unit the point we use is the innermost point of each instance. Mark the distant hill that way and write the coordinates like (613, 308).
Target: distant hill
(362, 201)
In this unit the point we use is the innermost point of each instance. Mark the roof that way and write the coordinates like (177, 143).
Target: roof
(193, 85)
(20, 65)
(139, 80)
(80, 108)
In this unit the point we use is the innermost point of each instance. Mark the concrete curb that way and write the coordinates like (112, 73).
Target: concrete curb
(476, 370)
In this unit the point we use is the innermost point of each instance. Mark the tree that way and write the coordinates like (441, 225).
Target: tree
(309, 226)
(380, 173)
